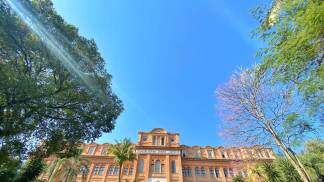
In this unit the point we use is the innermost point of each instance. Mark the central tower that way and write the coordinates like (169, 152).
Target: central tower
(159, 156)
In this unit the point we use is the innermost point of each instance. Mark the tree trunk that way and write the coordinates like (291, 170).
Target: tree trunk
(290, 156)
(119, 172)
(68, 175)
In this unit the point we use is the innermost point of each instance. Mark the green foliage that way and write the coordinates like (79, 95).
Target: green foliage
(123, 151)
(44, 107)
(313, 158)
(293, 31)
(30, 170)
(66, 169)
(266, 172)
(238, 178)
(286, 170)
(282, 170)
(12, 170)
(8, 167)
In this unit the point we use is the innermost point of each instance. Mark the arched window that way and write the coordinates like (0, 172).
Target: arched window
(203, 171)
(211, 172)
(189, 171)
(140, 165)
(116, 171)
(111, 170)
(101, 170)
(197, 171)
(125, 171)
(217, 173)
(157, 166)
(96, 170)
(225, 172)
(223, 154)
(84, 170)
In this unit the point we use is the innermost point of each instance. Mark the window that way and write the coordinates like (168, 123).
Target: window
(186, 171)
(189, 171)
(157, 166)
(130, 171)
(96, 170)
(162, 141)
(172, 140)
(231, 172)
(217, 172)
(162, 168)
(236, 154)
(144, 138)
(267, 154)
(125, 171)
(203, 171)
(84, 170)
(223, 154)
(116, 171)
(212, 172)
(173, 166)
(101, 170)
(111, 170)
(140, 165)
(197, 153)
(184, 153)
(104, 151)
(210, 153)
(197, 171)
(90, 150)
(154, 140)
(225, 172)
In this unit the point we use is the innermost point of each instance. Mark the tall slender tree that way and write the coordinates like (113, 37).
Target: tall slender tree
(256, 111)
(123, 151)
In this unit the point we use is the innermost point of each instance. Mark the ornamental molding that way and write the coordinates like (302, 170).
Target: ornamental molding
(158, 151)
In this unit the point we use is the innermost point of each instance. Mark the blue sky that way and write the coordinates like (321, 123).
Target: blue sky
(167, 57)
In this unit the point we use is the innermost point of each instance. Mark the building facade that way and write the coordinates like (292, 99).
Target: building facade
(161, 158)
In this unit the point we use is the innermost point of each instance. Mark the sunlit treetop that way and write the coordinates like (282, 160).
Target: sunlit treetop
(54, 88)
(293, 32)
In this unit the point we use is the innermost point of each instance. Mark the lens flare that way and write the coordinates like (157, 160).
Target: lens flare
(56, 48)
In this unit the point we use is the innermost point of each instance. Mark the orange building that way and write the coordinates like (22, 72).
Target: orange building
(161, 158)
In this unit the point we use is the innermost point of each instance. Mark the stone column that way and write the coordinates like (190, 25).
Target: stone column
(167, 168)
(147, 166)
(90, 171)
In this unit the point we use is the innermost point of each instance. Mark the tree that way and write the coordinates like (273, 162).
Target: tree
(282, 170)
(257, 111)
(67, 169)
(30, 170)
(8, 167)
(238, 178)
(123, 151)
(265, 172)
(313, 158)
(293, 33)
(278, 171)
(55, 92)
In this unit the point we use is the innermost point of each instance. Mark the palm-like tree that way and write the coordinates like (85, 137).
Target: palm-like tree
(266, 172)
(66, 169)
(123, 151)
